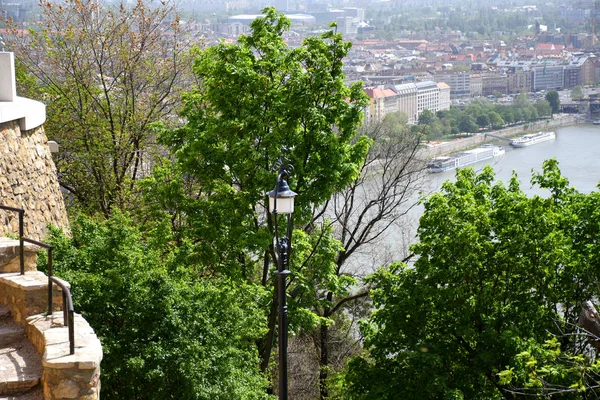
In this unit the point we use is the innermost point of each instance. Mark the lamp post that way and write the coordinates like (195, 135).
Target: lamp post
(281, 201)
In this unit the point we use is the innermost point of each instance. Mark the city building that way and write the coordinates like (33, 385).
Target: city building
(459, 83)
(406, 95)
(548, 77)
(519, 80)
(409, 98)
(493, 84)
(476, 85)
(347, 25)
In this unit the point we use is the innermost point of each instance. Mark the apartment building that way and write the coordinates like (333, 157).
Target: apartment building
(459, 82)
(494, 83)
(408, 98)
(519, 80)
(381, 102)
(444, 97)
(476, 85)
(548, 77)
(406, 95)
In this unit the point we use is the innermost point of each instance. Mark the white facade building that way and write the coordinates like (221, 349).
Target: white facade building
(409, 98)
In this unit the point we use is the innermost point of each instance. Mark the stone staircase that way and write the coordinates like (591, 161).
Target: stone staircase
(20, 364)
(35, 359)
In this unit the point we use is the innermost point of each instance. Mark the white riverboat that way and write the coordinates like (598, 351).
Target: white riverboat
(531, 139)
(465, 158)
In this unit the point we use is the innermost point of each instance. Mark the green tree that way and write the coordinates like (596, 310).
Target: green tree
(577, 93)
(507, 114)
(543, 108)
(467, 124)
(553, 98)
(166, 332)
(256, 101)
(483, 120)
(496, 120)
(380, 197)
(521, 101)
(426, 117)
(494, 269)
(106, 73)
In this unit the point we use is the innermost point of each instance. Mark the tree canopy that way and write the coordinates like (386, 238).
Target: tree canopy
(554, 99)
(258, 101)
(495, 271)
(166, 332)
(107, 73)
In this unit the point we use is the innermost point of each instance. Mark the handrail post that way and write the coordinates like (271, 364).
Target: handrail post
(71, 320)
(21, 244)
(50, 273)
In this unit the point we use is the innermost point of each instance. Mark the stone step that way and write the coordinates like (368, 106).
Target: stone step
(20, 368)
(10, 253)
(10, 332)
(34, 394)
(4, 313)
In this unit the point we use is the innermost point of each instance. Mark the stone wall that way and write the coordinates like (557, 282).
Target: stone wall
(28, 180)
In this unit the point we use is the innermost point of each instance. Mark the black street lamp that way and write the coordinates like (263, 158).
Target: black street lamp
(281, 201)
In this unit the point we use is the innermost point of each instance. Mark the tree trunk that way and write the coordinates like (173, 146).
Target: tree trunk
(324, 362)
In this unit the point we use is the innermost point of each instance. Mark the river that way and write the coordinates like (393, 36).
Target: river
(576, 147)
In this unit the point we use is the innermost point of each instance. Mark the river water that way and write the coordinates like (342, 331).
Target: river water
(576, 147)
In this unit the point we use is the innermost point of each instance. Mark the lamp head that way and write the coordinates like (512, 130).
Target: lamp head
(284, 196)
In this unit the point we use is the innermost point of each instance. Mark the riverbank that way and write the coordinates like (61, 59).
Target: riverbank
(481, 138)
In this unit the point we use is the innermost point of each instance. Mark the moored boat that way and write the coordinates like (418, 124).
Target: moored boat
(465, 158)
(532, 138)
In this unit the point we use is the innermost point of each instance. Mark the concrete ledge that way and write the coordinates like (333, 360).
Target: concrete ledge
(29, 113)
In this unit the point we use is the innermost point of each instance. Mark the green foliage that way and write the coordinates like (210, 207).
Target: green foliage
(106, 72)
(577, 93)
(467, 124)
(426, 117)
(543, 108)
(166, 333)
(554, 99)
(543, 369)
(257, 101)
(494, 269)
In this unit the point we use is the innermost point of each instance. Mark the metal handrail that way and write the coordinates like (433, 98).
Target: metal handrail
(21, 238)
(68, 310)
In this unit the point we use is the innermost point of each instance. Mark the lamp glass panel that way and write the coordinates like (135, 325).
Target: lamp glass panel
(285, 205)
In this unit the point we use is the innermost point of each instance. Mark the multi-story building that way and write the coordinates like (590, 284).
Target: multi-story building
(380, 104)
(572, 76)
(548, 77)
(444, 102)
(354, 12)
(476, 86)
(459, 82)
(588, 70)
(409, 98)
(347, 25)
(494, 83)
(406, 94)
(519, 80)
(428, 97)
